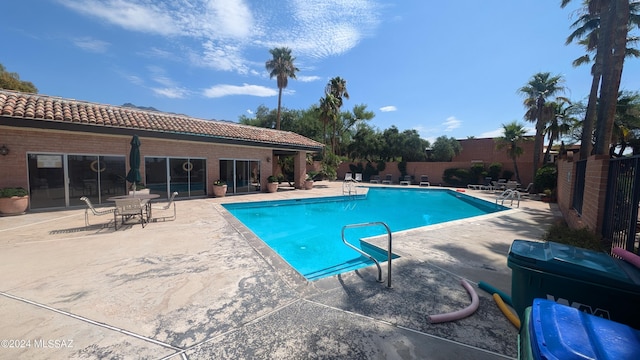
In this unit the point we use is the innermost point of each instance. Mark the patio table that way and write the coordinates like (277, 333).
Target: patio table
(141, 196)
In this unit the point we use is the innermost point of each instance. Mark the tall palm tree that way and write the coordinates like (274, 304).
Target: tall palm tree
(282, 68)
(540, 87)
(611, 47)
(586, 34)
(337, 88)
(328, 113)
(513, 134)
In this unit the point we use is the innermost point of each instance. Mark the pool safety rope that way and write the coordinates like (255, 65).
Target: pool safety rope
(456, 315)
(505, 310)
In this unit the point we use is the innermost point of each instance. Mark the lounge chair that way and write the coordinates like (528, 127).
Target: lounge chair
(526, 192)
(166, 206)
(375, 179)
(488, 184)
(388, 179)
(424, 181)
(95, 211)
(406, 180)
(129, 208)
(358, 177)
(348, 177)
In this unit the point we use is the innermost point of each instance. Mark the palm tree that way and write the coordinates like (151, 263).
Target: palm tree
(611, 45)
(513, 134)
(540, 87)
(337, 88)
(328, 113)
(586, 33)
(282, 68)
(560, 123)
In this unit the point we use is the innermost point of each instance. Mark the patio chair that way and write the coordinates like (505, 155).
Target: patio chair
(406, 180)
(95, 211)
(166, 206)
(348, 177)
(424, 181)
(375, 179)
(388, 179)
(358, 177)
(129, 208)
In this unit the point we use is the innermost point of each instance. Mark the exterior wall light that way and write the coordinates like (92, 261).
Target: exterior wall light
(4, 150)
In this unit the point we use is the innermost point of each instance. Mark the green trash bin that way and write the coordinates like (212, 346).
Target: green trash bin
(590, 281)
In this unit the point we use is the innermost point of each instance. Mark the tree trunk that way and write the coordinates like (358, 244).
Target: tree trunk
(539, 139)
(591, 114)
(279, 104)
(615, 47)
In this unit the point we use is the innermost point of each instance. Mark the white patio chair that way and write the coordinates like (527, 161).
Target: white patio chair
(129, 208)
(95, 211)
(166, 206)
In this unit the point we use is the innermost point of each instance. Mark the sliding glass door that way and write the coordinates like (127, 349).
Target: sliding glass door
(59, 180)
(241, 176)
(187, 176)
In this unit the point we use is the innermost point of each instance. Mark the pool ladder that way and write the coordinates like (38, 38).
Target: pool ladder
(389, 254)
(349, 188)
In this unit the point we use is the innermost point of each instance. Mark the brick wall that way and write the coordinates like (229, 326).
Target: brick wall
(594, 192)
(20, 142)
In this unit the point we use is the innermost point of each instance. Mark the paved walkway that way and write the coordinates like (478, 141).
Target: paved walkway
(203, 287)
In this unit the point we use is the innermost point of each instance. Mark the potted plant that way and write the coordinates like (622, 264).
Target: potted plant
(13, 201)
(308, 183)
(272, 184)
(219, 188)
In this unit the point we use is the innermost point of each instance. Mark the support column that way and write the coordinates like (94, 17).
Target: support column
(300, 169)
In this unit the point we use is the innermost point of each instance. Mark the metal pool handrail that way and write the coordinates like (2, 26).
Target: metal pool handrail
(389, 254)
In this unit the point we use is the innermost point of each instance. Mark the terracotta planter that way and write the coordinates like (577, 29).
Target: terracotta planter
(272, 187)
(219, 190)
(308, 184)
(15, 205)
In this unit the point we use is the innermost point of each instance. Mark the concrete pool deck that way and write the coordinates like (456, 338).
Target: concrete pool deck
(203, 287)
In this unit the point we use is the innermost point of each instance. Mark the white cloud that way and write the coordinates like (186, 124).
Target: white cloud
(388, 108)
(92, 45)
(147, 17)
(310, 78)
(451, 123)
(500, 131)
(172, 93)
(225, 30)
(246, 89)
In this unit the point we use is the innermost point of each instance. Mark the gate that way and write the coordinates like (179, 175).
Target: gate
(621, 207)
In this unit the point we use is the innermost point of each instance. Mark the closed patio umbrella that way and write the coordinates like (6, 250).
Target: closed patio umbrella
(133, 176)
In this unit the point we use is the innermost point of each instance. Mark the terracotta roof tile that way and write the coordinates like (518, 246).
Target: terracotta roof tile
(41, 107)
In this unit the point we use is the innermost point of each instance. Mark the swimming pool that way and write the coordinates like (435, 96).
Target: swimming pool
(307, 233)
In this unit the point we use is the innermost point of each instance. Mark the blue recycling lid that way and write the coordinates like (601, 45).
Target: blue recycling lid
(565, 333)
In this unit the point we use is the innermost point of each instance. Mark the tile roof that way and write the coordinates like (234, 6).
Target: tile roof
(20, 105)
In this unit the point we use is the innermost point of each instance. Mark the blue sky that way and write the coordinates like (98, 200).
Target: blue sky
(441, 67)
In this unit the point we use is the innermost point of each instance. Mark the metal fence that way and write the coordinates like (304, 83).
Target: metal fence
(578, 189)
(621, 207)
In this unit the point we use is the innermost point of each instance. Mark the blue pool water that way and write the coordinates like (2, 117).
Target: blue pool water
(308, 233)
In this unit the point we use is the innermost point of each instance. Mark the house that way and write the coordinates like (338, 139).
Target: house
(62, 149)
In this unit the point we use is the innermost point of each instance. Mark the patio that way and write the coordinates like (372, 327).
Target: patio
(204, 287)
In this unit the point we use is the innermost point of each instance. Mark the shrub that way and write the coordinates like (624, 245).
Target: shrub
(477, 170)
(494, 171)
(457, 177)
(582, 238)
(272, 179)
(402, 166)
(507, 174)
(13, 191)
(546, 178)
